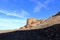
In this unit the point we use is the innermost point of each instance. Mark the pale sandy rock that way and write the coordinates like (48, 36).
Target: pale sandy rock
(33, 23)
(22, 27)
(49, 22)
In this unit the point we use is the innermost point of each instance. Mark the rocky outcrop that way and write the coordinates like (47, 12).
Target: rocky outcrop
(47, 29)
(32, 23)
(58, 14)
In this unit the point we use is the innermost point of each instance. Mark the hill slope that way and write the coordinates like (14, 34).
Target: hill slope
(50, 33)
(33, 23)
(47, 29)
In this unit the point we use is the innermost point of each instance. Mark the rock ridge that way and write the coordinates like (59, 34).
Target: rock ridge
(33, 23)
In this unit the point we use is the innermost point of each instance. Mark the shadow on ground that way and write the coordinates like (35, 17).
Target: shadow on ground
(50, 33)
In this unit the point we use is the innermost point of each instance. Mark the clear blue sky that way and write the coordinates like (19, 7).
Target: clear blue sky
(13, 13)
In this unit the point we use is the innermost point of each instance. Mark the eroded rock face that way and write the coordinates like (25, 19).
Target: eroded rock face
(32, 23)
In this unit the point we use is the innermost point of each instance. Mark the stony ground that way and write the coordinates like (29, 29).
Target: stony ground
(50, 33)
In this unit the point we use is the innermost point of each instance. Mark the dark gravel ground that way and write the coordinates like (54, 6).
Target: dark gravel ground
(50, 33)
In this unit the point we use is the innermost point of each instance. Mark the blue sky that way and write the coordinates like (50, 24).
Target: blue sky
(13, 13)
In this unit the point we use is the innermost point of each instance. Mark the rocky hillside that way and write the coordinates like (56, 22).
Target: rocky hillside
(46, 29)
(49, 33)
(33, 23)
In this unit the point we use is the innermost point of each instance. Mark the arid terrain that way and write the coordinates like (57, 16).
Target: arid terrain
(5, 31)
(46, 29)
(33, 23)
